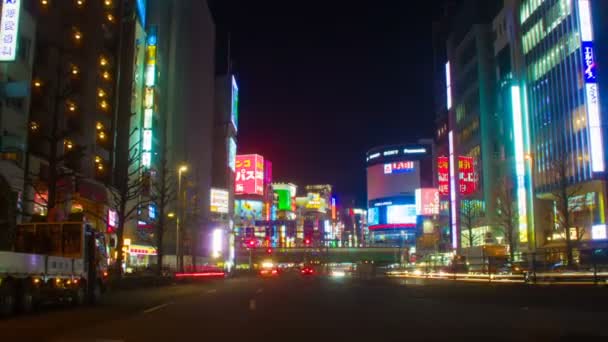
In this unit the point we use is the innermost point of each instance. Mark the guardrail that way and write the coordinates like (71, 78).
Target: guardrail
(591, 267)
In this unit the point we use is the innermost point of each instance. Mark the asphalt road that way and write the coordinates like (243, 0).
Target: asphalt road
(292, 308)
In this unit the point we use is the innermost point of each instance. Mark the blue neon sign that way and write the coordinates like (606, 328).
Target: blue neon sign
(589, 67)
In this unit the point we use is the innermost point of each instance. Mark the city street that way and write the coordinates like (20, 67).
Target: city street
(324, 309)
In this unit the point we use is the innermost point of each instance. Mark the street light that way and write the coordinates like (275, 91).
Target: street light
(180, 171)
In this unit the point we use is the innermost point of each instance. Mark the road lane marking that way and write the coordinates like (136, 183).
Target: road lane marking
(212, 291)
(154, 308)
(252, 304)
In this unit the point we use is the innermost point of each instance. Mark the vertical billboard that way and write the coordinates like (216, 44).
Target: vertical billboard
(466, 175)
(232, 154)
(267, 172)
(219, 201)
(427, 202)
(284, 199)
(589, 70)
(249, 179)
(9, 30)
(443, 175)
(234, 104)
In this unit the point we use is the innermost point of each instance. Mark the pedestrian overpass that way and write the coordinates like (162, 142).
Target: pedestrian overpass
(381, 255)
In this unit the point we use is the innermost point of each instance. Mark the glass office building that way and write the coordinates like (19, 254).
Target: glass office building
(563, 104)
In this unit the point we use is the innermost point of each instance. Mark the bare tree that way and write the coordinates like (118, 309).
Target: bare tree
(62, 162)
(126, 197)
(564, 196)
(507, 214)
(470, 217)
(164, 194)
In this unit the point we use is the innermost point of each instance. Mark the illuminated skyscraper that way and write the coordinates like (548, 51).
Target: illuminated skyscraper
(564, 45)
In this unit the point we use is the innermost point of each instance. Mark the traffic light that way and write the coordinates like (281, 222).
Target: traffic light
(307, 241)
(269, 250)
(251, 243)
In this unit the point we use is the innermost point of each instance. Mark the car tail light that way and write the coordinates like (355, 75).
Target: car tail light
(274, 272)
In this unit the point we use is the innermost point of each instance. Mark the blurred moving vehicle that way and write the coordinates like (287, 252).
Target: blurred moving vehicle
(511, 268)
(307, 271)
(270, 272)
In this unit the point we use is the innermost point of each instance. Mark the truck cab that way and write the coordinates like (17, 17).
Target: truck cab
(52, 262)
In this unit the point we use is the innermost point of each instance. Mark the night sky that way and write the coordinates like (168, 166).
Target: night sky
(321, 82)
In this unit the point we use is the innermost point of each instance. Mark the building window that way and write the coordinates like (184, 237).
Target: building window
(24, 48)
(15, 103)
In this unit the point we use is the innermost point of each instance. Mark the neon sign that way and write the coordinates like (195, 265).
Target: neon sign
(399, 167)
(9, 31)
(591, 87)
(466, 175)
(519, 164)
(443, 175)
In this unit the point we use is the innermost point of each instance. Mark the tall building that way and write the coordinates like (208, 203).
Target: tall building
(186, 96)
(475, 143)
(73, 110)
(564, 84)
(225, 139)
(523, 89)
(16, 61)
(394, 174)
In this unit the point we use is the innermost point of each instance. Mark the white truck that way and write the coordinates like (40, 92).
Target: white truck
(52, 262)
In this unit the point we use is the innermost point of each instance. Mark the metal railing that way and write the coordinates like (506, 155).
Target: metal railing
(590, 266)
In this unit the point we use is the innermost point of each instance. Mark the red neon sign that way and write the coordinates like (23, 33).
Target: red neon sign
(249, 175)
(466, 175)
(443, 175)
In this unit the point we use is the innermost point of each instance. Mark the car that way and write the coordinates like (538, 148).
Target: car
(511, 268)
(307, 271)
(270, 272)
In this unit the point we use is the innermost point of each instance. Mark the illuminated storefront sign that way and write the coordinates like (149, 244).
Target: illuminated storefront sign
(399, 167)
(373, 216)
(314, 201)
(401, 213)
(443, 175)
(141, 11)
(414, 150)
(598, 232)
(466, 175)
(217, 242)
(284, 199)
(427, 202)
(333, 208)
(246, 211)
(249, 175)
(234, 105)
(591, 87)
(152, 211)
(520, 170)
(390, 153)
(219, 201)
(9, 29)
(142, 250)
(150, 76)
(112, 218)
(374, 156)
(232, 154)
(148, 103)
(147, 144)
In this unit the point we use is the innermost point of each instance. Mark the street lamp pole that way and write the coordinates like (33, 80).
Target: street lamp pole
(178, 261)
